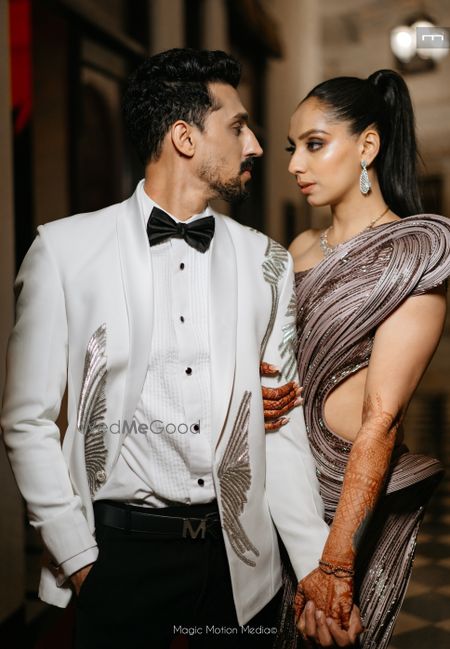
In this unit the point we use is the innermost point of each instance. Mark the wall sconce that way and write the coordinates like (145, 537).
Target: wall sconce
(419, 44)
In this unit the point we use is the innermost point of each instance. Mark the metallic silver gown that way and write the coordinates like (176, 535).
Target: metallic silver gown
(340, 303)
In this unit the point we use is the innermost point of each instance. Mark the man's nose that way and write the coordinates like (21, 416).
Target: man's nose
(253, 147)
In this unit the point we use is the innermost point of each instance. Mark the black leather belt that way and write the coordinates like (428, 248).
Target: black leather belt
(195, 521)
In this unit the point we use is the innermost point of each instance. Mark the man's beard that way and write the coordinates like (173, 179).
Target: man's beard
(232, 190)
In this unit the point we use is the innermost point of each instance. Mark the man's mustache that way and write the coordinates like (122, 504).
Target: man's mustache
(247, 165)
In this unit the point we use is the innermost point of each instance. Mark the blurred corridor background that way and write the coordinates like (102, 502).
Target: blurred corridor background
(63, 65)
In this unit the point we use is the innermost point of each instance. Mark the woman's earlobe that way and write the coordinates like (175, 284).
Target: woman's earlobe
(371, 147)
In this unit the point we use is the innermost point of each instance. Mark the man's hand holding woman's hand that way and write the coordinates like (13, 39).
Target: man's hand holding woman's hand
(315, 627)
(331, 594)
(324, 608)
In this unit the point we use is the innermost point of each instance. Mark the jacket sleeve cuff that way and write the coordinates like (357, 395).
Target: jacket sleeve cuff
(67, 534)
(68, 567)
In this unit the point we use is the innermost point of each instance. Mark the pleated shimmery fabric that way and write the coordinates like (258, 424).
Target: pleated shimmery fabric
(340, 304)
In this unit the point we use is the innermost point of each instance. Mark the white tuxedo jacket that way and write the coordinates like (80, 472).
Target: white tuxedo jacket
(84, 319)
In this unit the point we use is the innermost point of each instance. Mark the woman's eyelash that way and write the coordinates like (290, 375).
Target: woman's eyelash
(313, 145)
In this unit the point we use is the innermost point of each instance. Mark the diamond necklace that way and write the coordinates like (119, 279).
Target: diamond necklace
(325, 246)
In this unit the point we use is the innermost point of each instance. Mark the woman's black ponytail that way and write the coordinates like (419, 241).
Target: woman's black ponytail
(383, 100)
(396, 164)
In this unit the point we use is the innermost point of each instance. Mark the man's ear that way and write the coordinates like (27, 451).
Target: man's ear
(181, 134)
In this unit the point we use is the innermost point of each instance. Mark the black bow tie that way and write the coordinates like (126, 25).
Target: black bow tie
(197, 234)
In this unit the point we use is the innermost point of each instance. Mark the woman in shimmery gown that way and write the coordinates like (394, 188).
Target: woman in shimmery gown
(370, 294)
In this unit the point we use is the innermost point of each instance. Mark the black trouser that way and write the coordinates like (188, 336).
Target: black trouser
(141, 592)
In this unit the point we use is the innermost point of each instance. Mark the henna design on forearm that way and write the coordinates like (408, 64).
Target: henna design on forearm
(364, 478)
(363, 481)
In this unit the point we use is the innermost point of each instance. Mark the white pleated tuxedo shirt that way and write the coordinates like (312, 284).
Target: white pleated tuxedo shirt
(170, 461)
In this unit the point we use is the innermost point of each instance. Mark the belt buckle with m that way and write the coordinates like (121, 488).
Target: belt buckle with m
(188, 528)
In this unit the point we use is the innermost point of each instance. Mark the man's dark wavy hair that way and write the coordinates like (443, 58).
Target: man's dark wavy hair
(169, 86)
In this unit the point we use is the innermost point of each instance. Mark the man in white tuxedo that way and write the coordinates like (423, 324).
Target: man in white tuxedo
(157, 510)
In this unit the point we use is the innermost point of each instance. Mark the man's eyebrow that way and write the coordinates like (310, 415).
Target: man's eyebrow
(240, 117)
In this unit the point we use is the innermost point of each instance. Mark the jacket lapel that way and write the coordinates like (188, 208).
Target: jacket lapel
(136, 271)
(223, 322)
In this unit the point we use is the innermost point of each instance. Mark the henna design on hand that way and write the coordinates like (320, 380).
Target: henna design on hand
(277, 402)
(331, 594)
(266, 369)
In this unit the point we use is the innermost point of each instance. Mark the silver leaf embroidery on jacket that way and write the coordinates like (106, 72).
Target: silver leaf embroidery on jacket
(235, 478)
(274, 268)
(92, 409)
(288, 345)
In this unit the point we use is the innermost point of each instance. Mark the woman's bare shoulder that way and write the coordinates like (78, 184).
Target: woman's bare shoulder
(303, 242)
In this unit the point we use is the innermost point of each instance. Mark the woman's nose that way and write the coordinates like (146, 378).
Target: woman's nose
(296, 164)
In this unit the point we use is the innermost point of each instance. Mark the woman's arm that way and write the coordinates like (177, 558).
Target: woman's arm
(403, 347)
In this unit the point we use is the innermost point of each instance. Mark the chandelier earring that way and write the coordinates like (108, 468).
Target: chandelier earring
(364, 182)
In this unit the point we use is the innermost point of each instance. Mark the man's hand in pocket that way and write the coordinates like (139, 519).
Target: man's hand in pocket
(79, 576)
